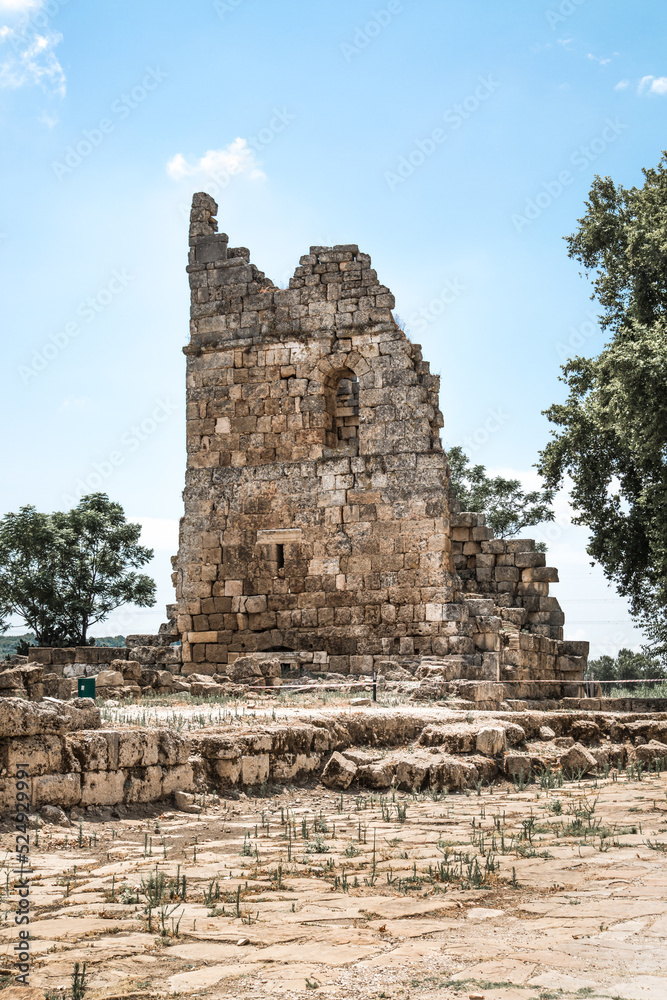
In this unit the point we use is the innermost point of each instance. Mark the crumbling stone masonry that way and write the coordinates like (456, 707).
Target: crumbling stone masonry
(73, 760)
(317, 514)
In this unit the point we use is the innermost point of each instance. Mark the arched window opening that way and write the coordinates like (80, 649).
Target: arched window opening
(346, 417)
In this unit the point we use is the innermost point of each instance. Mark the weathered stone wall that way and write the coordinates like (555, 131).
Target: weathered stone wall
(316, 493)
(73, 761)
(510, 570)
(316, 501)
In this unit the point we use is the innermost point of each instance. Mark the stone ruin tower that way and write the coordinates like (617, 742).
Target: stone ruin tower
(317, 520)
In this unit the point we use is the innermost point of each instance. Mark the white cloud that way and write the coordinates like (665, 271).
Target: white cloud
(21, 6)
(599, 59)
(27, 49)
(622, 84)
(48, 119)
(75, 403)
(220, 164)
(652, 85)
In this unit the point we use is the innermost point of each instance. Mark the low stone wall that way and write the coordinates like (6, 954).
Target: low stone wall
(74, 761)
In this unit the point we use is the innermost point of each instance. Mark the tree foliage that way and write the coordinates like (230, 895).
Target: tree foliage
(625, 666)
(611, 436)
(508, 509)
(64, 572)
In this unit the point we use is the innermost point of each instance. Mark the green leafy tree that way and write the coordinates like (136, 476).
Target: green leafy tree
(64, 572)
(611, 436)
(31, 552)
(626, 666)
(508, 509)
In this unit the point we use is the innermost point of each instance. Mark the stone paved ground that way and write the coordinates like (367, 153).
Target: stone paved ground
(356, 896)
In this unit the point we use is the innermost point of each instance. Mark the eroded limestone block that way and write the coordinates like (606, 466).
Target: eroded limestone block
(294, 767)
(546, 733)
(653, 750)
(491, 740)
(109, 679)
(62, 790)
(585, 731)
(137, 748)
(80, 714)
(216, 747)
(11, 679)
(86, 752)
(143, 784)
(451, 773)
(207, 690)
(577, 760)
(246, 670)
(515, 734)
(411, 771)
(130, 669)
(379, 774)
(185, 802)
(455, 737)
(255, 770)
(42, 754)
(178, 778)
(54, 815)
(102, 788)
(361, 757)
(26, 718)
(338, 772)
(225, 773)
(173, 748)
(518, 766)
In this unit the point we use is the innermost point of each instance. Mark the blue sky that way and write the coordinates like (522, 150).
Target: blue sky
(453, 141)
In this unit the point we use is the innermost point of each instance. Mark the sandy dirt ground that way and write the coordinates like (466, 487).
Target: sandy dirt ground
(508, 895)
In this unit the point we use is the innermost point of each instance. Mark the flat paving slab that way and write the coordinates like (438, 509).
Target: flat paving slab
(502, 893)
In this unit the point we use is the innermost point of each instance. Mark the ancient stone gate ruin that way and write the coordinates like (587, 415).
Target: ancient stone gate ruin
(317, 510)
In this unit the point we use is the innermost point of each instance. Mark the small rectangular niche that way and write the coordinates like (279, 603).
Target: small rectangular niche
(278, 536)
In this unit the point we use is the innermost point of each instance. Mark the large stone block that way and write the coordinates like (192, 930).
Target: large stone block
(137, 748)
(62, 790)
(143, 784)
(338, 772)
(179, 778)
(491, 740)
(102, 788)
(86, 752)
(255, 769)
(42, 754)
